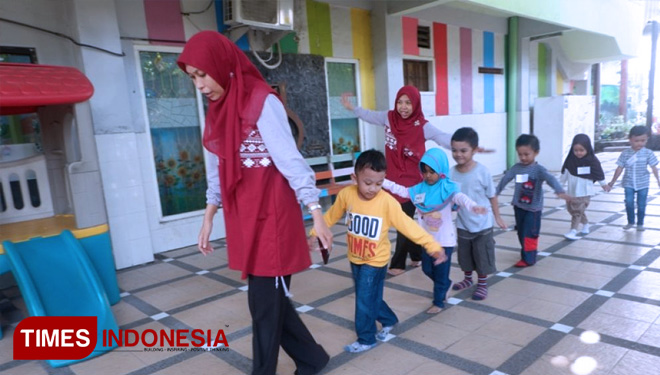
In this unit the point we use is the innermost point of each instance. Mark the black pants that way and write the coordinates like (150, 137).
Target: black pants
(276, 323)
(404, 245)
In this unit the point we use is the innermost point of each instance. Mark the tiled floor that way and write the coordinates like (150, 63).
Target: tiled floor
(592, 302)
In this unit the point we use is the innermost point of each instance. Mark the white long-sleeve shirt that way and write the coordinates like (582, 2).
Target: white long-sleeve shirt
(578, 186)
(273, 125)
(438, 223)
(380, 118)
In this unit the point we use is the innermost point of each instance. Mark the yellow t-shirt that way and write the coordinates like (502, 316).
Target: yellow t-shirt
(368, 223)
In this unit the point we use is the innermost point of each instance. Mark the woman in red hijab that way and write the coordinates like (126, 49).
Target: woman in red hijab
(406, 131)
(261, 180)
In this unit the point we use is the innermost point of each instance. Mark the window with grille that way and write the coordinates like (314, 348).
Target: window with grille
(423, 37)
(416, 73)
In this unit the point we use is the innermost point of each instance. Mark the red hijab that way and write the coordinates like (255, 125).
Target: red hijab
(245, 93)
(409, 132)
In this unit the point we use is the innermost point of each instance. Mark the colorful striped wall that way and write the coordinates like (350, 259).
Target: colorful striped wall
(458, 52)
(164, 21)
(361, 33)
(340, 32)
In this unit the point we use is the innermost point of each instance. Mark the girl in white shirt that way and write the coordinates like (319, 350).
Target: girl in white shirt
(433, 199)
(580, 170)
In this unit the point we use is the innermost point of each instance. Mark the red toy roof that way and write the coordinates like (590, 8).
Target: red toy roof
(24, 87)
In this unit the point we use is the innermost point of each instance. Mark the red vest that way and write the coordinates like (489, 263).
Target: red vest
(265, 232)
(407, 176)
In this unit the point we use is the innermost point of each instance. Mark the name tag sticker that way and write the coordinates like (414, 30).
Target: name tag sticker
(584, 170)
(522, 178)
(419, 198)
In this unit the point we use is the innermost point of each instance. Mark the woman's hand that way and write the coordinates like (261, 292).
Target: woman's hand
(345, 101)
(203, 243)
(482, 150)
(322, 230)
(313, 243)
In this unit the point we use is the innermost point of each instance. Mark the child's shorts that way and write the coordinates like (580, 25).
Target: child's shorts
(476, 251)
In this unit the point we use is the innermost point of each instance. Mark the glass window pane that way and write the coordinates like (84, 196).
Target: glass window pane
(175, 133)
(20, 137)
(344, 125)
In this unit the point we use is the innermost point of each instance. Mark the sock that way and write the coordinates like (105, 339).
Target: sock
(466, 283)
(482, 289)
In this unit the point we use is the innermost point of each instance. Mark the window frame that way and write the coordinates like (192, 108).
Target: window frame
(430, 64)
(358, 97)
(153, 186)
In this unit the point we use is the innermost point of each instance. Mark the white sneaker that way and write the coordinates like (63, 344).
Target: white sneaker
(382, 335)
(572, 235)
(628, 226)
(356, 347)
(585, 229)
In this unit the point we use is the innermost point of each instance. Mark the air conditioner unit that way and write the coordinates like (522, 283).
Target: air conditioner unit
(265, 14)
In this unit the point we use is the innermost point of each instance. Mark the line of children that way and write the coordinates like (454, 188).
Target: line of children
(469, 184)
(434, 198)
(528, 196)
(580, 170)
(370, 212)
(636, 177)
(476, 245)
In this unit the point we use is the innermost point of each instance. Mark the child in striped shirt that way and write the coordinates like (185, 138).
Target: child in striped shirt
(636, 177)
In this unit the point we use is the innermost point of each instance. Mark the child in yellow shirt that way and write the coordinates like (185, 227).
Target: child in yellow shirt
(370, 212)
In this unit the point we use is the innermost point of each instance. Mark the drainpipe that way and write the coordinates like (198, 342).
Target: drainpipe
(595, 89)
(623, 91)
(654, 44)
(513, 44)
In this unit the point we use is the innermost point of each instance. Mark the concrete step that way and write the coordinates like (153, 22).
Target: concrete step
(615, 148)
(619, 142)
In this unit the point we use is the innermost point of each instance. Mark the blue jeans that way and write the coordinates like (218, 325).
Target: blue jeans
(369, 304)
(528, 226)
(439, 274)
(641, 204)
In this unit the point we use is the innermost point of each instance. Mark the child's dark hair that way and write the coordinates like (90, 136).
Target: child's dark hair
(638, 130)
(423, 166)
(528, 140)
(468, 135)
(372, 159)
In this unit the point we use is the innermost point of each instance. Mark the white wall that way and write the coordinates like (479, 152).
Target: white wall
(51, 15)
(463, 18)
(84, 193)
(112, 124)
(491, 128)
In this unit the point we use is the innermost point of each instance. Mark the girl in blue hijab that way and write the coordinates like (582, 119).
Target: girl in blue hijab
(434, 198)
